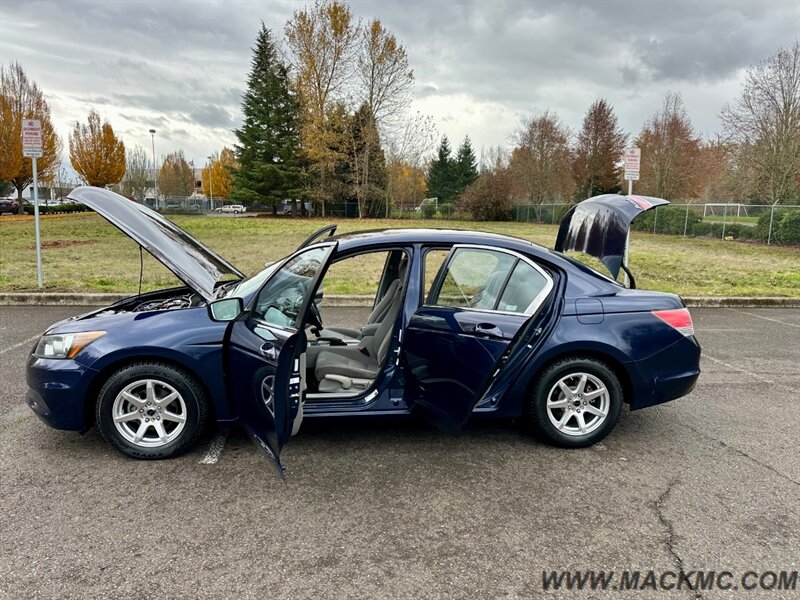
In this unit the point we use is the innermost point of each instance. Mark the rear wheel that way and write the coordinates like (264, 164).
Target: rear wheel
(575, 403)
(151, 410)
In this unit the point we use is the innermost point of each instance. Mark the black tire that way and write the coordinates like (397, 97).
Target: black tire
(194, 409)
(538, 418)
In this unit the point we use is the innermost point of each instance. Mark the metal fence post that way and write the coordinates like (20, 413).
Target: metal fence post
(771, 217)
(686, 221)
(655, 219)
(724, 220)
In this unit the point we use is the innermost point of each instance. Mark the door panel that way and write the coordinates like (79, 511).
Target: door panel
(265, 380)
(265, 352)
(449, 359)
(481, 299)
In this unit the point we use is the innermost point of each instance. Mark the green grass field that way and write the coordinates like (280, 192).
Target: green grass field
(83, 253)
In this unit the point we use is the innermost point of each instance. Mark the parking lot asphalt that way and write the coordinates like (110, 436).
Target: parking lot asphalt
(378, 509)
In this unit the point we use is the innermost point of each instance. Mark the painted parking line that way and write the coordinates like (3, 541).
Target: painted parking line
(746, 372)
(749, 314)
(19, 344)
(214, 450)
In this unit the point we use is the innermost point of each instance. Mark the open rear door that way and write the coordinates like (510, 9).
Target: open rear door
(600, 225)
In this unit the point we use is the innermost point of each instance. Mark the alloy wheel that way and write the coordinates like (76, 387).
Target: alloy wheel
(149, 413)
(578, 404)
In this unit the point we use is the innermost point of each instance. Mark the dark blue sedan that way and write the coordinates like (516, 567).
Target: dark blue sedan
(461, 323)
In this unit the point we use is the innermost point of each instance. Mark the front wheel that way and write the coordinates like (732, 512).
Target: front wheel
(575, 403)
(151, 410)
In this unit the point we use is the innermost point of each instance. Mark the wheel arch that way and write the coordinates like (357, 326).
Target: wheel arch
(117, 363)
(599, 354)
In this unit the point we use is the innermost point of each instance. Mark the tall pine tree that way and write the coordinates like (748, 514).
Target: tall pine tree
(269, 165)
(441, 175)
(466, 167)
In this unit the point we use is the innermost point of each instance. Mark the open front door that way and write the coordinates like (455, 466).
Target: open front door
(481, 300)
(265, 352)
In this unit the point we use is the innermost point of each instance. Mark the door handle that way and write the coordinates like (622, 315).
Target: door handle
(269, 351)
(488, 330)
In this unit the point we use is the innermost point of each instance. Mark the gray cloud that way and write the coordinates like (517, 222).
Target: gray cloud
(180, 67)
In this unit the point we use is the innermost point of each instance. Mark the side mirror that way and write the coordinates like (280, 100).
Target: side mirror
(225, 309)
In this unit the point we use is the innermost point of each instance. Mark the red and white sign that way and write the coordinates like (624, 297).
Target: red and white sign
(32, 138)
(633, 161)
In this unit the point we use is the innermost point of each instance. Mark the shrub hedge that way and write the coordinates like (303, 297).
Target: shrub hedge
(673, 220)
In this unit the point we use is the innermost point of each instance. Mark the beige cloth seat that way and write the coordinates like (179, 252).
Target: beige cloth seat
(377, 315)
(352, 369)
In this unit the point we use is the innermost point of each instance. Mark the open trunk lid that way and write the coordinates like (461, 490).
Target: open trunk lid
(599, 226)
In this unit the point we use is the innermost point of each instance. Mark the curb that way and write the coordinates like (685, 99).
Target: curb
(82, 299)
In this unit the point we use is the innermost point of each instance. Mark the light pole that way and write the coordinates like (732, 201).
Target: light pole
(211, 182)
(155, 174)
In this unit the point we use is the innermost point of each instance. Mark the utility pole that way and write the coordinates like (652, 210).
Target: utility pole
(211, 182)
(155, 170)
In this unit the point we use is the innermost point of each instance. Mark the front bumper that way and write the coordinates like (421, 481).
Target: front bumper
(666, 375)
(57, 389)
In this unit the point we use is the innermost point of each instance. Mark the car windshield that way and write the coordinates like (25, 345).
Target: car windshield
(250, 285)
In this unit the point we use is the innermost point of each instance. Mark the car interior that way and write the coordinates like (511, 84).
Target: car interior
(343, 362)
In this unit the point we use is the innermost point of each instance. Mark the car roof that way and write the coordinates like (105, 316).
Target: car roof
(382, 237)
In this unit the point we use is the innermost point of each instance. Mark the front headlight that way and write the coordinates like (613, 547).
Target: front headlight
(65, 345)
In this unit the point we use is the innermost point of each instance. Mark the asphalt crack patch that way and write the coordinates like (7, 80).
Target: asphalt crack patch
(669, 526)
(726, 446)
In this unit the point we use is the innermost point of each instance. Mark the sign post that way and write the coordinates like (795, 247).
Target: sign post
(633, 161)
(32, 147)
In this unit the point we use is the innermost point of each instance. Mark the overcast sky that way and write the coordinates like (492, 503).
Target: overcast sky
(180, 67)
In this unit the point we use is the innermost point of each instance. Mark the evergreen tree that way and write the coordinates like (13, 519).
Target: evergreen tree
(441, 174)
(269, 166)
(465, 167)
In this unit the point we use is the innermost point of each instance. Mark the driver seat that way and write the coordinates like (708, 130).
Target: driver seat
(352, 369)
(377, 315)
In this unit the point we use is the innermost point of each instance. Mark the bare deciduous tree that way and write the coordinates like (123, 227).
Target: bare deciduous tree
(137, 173)
(386, 79)
(670, 151)
(409, 143)
(765, 121)
(598, 151)
(540, 163)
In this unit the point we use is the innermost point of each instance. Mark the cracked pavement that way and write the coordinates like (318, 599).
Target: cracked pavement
(398, 509)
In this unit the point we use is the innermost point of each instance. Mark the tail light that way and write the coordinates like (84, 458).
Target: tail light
(678, 318)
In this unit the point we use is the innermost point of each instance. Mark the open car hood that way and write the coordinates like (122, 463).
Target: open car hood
(193, 263)
(599, 226)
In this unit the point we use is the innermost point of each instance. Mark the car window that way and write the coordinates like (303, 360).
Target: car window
(281, 299)
(522, 290)
(434, 259)
(474, 278)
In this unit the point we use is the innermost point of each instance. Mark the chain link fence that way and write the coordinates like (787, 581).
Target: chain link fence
(764, 223)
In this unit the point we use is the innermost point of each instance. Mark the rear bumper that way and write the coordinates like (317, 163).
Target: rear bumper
(56, 392)
(666, 375)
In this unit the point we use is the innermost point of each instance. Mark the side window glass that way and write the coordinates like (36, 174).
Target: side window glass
(522, 290)
(474, 279)
(434, 259)
(281, 299)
